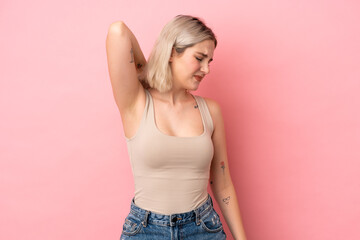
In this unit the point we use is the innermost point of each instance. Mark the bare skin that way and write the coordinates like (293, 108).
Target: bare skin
(176, 112)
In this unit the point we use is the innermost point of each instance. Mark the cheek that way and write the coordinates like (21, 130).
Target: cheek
(186, 67)
(193, 65)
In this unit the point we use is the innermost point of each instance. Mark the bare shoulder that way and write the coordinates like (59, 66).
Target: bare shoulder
(214, 109)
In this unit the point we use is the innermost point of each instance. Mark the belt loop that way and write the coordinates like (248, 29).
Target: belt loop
(197, 217)
(144, 223)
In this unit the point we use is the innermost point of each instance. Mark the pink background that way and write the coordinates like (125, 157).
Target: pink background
(286, 74)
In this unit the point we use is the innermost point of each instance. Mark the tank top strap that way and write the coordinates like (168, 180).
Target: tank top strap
(204, 110)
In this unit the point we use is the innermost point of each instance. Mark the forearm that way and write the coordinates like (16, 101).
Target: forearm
(228, 204)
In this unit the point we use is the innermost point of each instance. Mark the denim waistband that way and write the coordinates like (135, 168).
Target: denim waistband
(173, 219)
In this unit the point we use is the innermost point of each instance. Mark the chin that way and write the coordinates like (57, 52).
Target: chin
(192, 89)
(193, 86)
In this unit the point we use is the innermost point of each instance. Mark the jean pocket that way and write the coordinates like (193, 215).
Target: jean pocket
(211, 222)
(132, 225)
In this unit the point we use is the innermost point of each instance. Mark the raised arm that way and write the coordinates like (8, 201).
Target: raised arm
(125, 62)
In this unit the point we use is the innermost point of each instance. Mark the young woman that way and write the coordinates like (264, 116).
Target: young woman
(176, 140)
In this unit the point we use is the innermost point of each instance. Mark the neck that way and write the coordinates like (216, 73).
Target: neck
(175, 96)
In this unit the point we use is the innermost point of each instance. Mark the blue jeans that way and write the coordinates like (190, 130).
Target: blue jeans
(202, 223)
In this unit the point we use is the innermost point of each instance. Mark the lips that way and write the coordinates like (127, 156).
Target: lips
(198, 78)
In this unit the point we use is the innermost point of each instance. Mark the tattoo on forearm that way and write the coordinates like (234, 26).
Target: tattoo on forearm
(132, 56)
(226, 200)
(223, 166)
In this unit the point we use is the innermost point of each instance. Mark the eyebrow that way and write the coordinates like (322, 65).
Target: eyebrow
(204, 55)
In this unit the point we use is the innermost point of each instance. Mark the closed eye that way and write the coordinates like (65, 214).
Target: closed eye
(199, 59)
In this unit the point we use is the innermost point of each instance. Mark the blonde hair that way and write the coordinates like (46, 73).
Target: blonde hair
(180, 33)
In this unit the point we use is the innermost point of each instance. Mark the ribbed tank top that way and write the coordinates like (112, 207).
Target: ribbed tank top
(170, 173)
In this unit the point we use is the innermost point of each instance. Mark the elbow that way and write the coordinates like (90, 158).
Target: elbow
(222, 188)
(117, 28)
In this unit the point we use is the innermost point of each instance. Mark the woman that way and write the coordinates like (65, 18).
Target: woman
(175, 140)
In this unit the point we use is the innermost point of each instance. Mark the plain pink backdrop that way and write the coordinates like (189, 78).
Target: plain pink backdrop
(286, 74)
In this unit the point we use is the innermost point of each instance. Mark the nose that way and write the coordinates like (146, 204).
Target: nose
(205, 68)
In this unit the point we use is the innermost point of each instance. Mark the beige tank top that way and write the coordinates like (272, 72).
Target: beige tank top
(170, 173)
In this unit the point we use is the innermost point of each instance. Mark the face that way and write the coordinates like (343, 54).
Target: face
(190, 67)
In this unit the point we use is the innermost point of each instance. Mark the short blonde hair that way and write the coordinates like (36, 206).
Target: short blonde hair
(180, 33)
